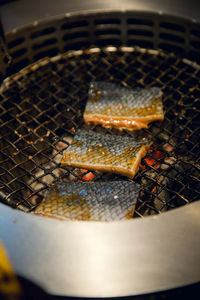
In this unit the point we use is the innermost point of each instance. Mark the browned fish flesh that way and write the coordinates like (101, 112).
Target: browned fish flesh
(120, 107)
(97, 201)
(105, 152)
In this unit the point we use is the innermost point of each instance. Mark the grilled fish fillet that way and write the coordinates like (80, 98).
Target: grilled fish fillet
(97, 201)
(121, 107)
(110, 153)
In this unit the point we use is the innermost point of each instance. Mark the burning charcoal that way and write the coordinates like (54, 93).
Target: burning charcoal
(156, 182)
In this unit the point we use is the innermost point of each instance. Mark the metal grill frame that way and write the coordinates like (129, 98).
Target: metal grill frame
(145, 29)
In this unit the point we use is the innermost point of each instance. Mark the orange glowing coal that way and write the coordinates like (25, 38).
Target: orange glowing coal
(154, 160)
(88, 176)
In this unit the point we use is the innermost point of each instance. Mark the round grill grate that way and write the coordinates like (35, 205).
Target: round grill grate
(41, 107)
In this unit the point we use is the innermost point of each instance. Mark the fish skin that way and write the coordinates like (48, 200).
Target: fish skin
(97, 201)
(122, 107)
(104, 152)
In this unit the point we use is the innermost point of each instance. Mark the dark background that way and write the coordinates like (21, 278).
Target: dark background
(18, 13)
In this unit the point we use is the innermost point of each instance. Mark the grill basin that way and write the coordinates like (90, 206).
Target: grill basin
(42, 105)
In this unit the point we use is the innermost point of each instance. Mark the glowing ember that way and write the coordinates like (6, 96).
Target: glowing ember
(167, 147)
(88, 176)
(154, 160)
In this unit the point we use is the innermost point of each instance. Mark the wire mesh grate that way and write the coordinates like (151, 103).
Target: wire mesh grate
(42, 106)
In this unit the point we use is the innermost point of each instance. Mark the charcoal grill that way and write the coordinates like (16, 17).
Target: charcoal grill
(44, 91)
(43, 103)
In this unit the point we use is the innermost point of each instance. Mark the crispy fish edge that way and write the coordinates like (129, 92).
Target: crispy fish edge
(52, 216)
(129, 215)
(121, 122)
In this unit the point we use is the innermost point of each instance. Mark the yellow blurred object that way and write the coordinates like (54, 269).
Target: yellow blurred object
(9, 285)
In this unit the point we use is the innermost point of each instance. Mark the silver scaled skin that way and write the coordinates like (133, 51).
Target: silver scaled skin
(97, 201)
(104, 152)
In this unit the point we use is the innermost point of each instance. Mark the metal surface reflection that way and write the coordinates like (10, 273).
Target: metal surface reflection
(95, 259)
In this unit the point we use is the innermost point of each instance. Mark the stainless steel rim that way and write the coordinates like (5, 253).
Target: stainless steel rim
(95, 259)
